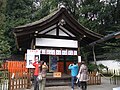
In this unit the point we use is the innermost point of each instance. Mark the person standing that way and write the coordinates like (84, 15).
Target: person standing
(43, 72)
(74, 71)
(83, 75)
(36, 73)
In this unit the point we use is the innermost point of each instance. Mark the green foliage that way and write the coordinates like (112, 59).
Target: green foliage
(92, 67)
(85, 52)
(101, 66)
(93, 14)
(1, 62)
(89, 11)
(4, 45)
(47, 6)
(102, 18)
(18, 12)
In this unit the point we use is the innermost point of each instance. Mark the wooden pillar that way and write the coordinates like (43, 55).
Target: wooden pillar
(78, 47)
(32, 44)
(79, 54)
(94, 55)
(64, 64)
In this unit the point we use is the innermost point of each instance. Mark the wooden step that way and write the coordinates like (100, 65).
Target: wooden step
(64, 80)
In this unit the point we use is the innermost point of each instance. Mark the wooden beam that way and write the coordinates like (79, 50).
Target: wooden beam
(55, 37)
(66, 32)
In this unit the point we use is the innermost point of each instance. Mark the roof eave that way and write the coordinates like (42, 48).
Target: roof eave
(105, 38)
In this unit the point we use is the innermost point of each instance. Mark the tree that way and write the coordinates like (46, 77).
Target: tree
(18, 12)
(102, 17)
(4, 45)
(46, 7)
(97, 15)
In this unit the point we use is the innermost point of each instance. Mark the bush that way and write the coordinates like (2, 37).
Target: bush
(1, 62)
(1, 73)
(101, 66)
(92, 67)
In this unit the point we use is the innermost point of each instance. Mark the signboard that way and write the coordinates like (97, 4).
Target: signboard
(31, 55)
(79, 59)
(64, 52)
(53, 63)
(57, 74)
(58, 52)
(70, 52)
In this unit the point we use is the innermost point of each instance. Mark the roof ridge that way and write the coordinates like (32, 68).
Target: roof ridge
(53, 12)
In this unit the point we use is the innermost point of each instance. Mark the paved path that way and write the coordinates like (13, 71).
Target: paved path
(105, 85)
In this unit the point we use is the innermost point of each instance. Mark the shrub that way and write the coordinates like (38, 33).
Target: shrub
(92, 67)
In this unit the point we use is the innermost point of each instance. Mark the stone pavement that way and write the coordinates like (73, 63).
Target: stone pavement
(105, 85)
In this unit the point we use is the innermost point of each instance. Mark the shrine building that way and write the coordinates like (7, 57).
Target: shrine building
(59, 38)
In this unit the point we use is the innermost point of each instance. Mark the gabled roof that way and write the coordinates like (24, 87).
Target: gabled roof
(25, 33)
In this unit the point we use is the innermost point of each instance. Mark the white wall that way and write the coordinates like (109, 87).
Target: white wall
(56, 42)
(111, 64)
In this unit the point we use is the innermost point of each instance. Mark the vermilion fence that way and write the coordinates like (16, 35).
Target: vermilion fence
(17, 67)
(19, 76)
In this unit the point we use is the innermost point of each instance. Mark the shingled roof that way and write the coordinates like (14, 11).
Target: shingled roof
(25, 33)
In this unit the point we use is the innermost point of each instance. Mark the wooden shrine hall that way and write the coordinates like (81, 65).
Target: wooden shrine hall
(58, 36)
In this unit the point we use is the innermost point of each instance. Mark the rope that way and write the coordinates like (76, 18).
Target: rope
(105, 76)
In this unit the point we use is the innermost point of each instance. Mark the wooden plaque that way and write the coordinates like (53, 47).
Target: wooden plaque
(57, 74)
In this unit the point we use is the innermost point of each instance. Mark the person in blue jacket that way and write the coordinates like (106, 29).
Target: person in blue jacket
(74, 72)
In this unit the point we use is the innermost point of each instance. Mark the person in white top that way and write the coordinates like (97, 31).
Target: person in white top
(83, 75)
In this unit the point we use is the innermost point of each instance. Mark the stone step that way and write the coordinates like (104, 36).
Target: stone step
(58, 84)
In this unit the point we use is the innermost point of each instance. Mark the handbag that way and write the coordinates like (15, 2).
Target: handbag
(78, 77)
(39, 77)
